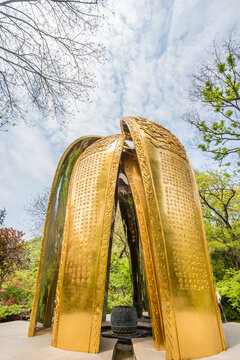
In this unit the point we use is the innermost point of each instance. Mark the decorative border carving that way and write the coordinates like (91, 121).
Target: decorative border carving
(209, 269)
(96, 319)
(154, 301)
(103, 257)
(84, 140)
(99, 145)
(161, 137)
(164, 282)
(62, 265)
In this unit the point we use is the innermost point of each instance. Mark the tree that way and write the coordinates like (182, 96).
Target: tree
(229, 288)
(215, 87)
(46, 50)
(37, 210)
(120, 290)
(11, 251)
(16, 293)
(2, 216)
(220, 200)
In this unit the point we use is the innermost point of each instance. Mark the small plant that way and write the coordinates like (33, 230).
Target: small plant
(11, 251)
(16, 294)
(229, 289)
(120, 290)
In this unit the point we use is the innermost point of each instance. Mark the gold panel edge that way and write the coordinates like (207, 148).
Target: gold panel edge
(150, 213)
(218, 316)
(62, 262)
(154, 302)
(94, 340)
(146, 174)
(45, 233)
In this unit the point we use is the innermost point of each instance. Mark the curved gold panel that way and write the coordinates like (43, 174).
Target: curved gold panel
(131, 167)
(183, 306)
(81, 284)
(190, 313)
(45, 290)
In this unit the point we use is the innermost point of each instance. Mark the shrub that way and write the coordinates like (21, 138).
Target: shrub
(12, 249)
(120, 290)
(16, 294)
(229, 289)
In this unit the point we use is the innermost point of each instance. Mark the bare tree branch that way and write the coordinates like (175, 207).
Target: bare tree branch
(48, 51)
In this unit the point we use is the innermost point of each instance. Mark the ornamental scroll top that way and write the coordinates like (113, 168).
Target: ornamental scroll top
(159, 136)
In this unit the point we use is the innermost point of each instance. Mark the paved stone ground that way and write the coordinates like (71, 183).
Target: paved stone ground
(15, 345)
(144, 350)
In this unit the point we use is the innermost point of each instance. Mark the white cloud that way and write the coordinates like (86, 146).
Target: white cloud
(152, 48)
(27, 163)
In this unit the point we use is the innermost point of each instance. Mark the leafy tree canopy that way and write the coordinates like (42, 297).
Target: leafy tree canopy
(11, 251)
(220, 200)
(229, 287)
(215, 87)
(17, 290)
(2, 216)
(120, 290)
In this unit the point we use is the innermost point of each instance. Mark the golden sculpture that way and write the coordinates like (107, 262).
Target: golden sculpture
(75, 252)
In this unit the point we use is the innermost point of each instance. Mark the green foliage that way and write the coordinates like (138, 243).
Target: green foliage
(120, 291)
(33, 248)
(16, 293)
(220, 200)
(229, 289)
(14, 309)
(120, 285)
(2, 216)
(11, 251)
(221, 260)
(216, 87)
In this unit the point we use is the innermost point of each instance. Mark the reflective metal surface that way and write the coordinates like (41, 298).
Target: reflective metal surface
(185, 316)
(45, 291)
(132, 170)
(191, 318)
(81, 284)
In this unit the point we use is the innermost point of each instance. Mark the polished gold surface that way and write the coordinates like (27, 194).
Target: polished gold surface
(81, 285)
(132, 171)
(190, 314)
(184, 311)
(45, 291)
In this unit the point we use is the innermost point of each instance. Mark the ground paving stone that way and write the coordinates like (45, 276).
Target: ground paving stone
(144, 350)
(15, 345)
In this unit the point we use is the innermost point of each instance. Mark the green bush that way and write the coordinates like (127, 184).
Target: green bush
(229, 289)
(14, 309)
(16, 294)
(120, 290)
(33, 248)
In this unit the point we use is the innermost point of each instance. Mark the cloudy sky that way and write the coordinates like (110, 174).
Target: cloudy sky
(152, 48)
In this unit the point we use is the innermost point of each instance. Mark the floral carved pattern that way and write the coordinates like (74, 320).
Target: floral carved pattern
(154, 301)
(161, 137)
(118, 141)
(163, 280)
(99, 145)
